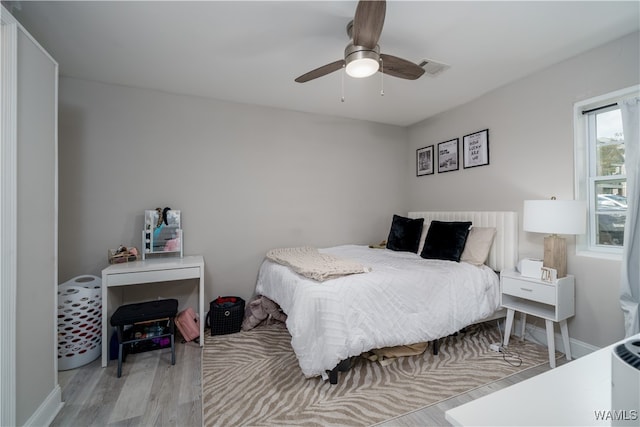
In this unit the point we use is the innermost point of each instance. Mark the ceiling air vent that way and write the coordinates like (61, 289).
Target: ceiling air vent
(433, 68)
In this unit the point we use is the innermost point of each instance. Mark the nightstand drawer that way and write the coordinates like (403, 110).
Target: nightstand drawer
(529, 290)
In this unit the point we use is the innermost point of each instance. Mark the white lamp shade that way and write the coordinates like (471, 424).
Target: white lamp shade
(555, 216)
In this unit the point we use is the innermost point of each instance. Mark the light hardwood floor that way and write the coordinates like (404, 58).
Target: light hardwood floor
(151, 392)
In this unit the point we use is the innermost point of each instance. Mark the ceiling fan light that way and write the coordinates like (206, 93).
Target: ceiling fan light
(363, 67)
(362, 63)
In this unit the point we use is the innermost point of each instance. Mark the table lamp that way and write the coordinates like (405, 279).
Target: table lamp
(555, 217)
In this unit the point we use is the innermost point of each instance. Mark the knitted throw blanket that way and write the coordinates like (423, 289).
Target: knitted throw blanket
(310, 263)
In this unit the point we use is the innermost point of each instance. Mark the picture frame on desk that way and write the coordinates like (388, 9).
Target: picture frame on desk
(162, 232)
(549, 275)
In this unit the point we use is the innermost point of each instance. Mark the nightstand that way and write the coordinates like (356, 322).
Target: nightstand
(553, 302)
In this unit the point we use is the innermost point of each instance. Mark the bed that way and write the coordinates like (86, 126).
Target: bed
(404, 299)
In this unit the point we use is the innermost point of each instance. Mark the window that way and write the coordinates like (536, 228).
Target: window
(607, 190)
(600, 171)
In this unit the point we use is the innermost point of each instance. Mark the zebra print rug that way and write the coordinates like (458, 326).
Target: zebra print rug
(252, 379)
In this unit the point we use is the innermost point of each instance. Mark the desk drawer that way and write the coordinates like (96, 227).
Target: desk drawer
(529, 290)
(166, 275)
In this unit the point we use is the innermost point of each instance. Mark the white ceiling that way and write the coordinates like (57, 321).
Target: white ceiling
(250, 52)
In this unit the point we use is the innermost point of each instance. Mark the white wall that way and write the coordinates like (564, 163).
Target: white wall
(246, 178)
(250, 178)
(530, 126)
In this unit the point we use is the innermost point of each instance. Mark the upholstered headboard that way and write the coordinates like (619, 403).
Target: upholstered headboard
(504, 251)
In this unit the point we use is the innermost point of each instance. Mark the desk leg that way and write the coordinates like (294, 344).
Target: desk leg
(508, 325)
(201, 305)
(565, 338)
(523, 320)
(551, 343)
(105, 333)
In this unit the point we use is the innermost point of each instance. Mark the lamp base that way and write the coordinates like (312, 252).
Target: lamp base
(555, 254)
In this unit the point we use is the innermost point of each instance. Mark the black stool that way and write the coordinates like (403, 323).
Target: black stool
(144, 312)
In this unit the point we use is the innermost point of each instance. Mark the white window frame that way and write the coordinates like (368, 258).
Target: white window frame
(583, 161)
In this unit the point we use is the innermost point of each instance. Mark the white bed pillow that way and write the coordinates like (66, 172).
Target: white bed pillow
(423, 237)
(478, 245)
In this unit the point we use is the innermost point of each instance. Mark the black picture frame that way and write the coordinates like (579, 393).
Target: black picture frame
(475, 147)
(448, 158)
(424, 161)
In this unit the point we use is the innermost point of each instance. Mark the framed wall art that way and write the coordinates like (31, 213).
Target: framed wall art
(476, 149)
(448, 156)
(424, 161)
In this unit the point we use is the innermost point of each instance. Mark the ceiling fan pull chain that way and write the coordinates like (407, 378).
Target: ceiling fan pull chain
(381, 77)
(342, 95)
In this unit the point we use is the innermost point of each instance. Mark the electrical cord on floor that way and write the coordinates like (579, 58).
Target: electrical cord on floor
(510, 357)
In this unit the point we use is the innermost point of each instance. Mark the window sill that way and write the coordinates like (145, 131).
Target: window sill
(613, 256)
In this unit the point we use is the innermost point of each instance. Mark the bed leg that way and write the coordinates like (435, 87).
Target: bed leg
(343, 366)
(333, 376)
(435, 346)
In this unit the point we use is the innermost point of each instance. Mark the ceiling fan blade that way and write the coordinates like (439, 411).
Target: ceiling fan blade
(321, 71)
(398, 67)
(368, 22)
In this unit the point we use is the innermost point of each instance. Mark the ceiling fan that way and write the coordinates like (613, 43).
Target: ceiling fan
(362, 57)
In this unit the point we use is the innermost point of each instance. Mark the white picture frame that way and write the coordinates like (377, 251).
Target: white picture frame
(162, 232)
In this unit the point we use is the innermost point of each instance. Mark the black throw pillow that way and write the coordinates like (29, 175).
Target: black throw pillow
(405, 234)
(446, 240)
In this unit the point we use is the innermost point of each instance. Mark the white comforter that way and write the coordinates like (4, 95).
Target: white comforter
(405, 299)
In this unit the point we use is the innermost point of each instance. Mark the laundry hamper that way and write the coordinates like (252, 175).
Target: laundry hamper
(79, 321)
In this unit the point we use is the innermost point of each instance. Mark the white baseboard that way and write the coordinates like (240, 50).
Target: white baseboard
(48, 410)
(538, 335)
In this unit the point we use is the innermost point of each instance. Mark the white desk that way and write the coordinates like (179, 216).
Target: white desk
(566, 396)
(148, 271)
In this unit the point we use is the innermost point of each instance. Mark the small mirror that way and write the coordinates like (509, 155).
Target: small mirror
(162, 231)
